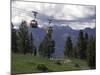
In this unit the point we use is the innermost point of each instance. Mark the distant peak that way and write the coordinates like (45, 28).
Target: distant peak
(68, 27)
(89, 28)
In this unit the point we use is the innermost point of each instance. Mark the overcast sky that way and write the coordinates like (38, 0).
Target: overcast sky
(75, 16)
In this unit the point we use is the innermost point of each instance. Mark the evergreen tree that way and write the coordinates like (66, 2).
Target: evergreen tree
(33, 49)
(81, 45)
(92, 53)
(23, 38)
(75, 52)
(13, 39)
(86, 40)
(68, 48)
(86, 36)
(31, 43)
(47, 45)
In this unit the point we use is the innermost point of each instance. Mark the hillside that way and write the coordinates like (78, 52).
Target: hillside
(28, 64)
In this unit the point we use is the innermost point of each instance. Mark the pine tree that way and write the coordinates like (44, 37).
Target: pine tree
(75, 52)
(92, 53)
(32, 46)
(81, 45)
(31, 43)
(13, 39)
(86, 36)
(23, 38)
(68, 48)
(47, 45)
(86, 40)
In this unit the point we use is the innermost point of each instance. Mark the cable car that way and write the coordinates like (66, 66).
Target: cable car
(33, 24)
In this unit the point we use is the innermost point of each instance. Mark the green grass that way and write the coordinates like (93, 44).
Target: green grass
(27, 64)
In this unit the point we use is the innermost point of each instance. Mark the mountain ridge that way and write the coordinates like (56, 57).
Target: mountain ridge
(59, 35)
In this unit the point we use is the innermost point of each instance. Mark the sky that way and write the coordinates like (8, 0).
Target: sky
(76, 16)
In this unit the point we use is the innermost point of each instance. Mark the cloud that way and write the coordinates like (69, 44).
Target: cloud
(76, 16)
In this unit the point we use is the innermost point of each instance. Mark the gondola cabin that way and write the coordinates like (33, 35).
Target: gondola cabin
(33, 24)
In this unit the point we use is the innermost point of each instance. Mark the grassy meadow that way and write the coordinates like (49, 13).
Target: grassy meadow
(28, 64)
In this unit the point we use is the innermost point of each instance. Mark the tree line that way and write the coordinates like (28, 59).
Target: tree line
(22, 42)
(84, 49)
